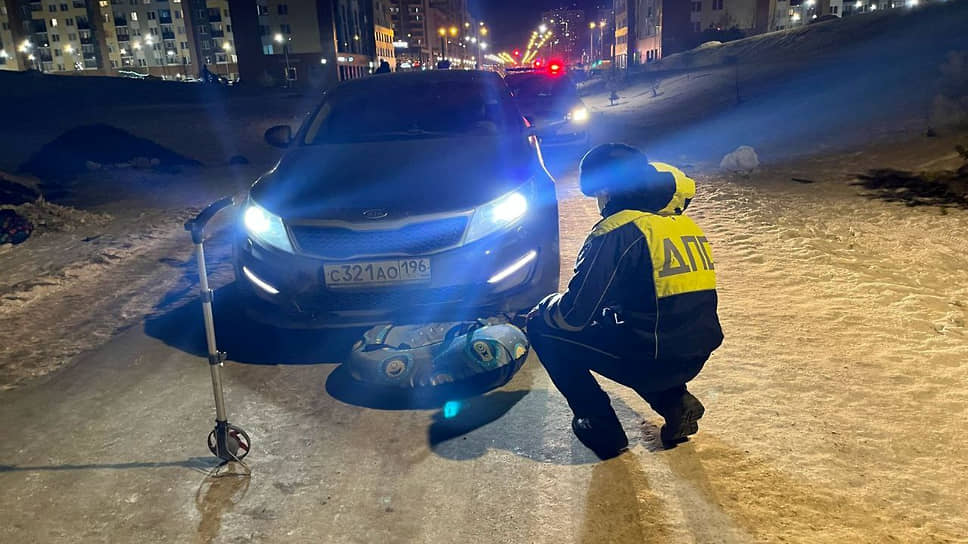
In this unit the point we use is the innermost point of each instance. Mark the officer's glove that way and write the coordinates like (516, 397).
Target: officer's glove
(542, 307)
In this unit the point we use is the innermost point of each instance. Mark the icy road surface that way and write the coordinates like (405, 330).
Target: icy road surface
(835, 409)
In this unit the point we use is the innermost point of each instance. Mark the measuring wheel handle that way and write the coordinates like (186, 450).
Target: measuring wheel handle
(197, 225)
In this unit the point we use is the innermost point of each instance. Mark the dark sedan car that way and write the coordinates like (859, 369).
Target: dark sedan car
(414, 197)
(550, 101)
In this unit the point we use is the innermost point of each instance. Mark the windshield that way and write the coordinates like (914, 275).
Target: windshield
(540, 86)
(390, 109)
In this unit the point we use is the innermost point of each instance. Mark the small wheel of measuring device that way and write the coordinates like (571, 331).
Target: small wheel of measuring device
(237, 443)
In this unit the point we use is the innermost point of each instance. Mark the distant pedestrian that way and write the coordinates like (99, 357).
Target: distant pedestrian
(641, 308)
(384, 68)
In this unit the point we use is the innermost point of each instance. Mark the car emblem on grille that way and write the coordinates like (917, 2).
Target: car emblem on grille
(375, 214)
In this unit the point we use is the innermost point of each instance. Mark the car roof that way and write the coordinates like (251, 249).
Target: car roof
(429, 76)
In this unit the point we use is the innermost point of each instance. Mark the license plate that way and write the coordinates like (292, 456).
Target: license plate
(377, 273)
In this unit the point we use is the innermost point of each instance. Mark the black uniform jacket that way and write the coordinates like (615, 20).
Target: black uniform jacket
(647, 268)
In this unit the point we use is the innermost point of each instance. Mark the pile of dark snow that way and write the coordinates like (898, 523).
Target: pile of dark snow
(92, 147)
(14, 193)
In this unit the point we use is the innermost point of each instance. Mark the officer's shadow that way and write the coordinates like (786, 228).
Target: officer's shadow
(532, 423)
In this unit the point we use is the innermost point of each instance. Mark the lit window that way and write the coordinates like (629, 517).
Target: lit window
(53, 22)
(134, 15)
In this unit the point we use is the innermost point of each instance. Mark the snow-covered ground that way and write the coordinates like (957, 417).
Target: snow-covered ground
(86, 274)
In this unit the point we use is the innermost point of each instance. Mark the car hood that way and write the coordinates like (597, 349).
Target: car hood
(398, 177)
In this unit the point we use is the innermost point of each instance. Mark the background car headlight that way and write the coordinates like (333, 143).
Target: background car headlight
(497, 215)
(265, 227)
(578, 115)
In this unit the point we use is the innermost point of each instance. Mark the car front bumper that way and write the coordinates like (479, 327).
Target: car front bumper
(562, 133)
(459, 287)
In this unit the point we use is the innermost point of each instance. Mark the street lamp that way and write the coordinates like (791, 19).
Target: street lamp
(149, 42)
(285, 49)
(482, 30)
(227, 47)
(171, 55)
(25, 48)
(69, 49)
(442, 32)
(543, 28)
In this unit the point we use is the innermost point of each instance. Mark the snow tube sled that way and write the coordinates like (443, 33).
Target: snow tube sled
(410, 356)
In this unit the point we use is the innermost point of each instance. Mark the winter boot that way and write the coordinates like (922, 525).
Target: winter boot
(681, 419)
(604, 436)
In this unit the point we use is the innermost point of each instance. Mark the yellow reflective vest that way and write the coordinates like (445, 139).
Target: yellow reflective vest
(653, 269)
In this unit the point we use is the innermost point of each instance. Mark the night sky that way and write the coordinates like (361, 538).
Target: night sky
(511, 21)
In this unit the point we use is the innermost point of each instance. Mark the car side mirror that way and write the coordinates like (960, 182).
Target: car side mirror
(279, 136)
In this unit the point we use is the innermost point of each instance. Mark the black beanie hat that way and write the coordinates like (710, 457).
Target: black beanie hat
(614, 168)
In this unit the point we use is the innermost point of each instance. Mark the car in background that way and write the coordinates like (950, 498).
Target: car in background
(408, 197)
(549, 100)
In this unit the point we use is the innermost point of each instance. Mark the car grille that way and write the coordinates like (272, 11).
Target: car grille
(416, 239)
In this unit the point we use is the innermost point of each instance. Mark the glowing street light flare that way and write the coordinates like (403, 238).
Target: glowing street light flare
(277, 38)
(543, 28)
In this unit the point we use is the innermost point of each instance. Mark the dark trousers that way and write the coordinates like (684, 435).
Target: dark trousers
(611, 352)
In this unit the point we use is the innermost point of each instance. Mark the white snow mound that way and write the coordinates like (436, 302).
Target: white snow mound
(743, 160)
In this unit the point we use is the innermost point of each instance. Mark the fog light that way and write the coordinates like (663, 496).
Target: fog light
(258, 282)
(515, 266)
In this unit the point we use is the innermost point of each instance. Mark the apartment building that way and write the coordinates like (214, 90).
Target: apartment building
(411, 28)
(312, 42)
(621, 50)
(53, 35)
(383, 33)
(758, 16)
(171, 39)
(648, 30)
(10, 57)
(642, 41)
(213, 36)
(417, 26)
(149, 37)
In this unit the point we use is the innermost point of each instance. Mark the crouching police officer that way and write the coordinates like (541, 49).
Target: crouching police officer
(641, 308)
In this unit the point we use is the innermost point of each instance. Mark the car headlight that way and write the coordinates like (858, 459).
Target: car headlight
(265, 227)
(497, 215)
(578, 115)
